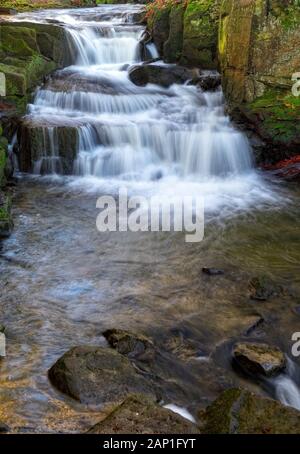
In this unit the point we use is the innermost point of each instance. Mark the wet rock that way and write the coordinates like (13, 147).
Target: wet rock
(212, 271)
(39, 139)
(161, 75)
(259, 359)
(95, 376)
(200, 34)
(139, 415)
(132, 345)
(173, 46)
(209, 81)
(237, 411)
(261, 288)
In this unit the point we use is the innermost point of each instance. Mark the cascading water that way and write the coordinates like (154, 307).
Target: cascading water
(128, 132)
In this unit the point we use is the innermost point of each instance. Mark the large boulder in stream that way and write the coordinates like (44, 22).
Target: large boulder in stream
(161, 75)
(237, 411)
(140, 415)
(259, 359)
(97, 376)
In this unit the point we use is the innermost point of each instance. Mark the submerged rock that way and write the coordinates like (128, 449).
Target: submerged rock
(132, 345)
(237, 411)
(261, 288)
(212, 271)
(95, 376)
(139, 415)
(161, 75)
(259, 359)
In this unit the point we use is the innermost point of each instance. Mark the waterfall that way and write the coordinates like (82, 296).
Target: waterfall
(178, 137)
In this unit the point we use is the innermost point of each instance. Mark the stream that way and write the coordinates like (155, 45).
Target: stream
(63, 282)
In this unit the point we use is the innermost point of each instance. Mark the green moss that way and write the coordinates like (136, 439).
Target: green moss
(201, 33)
(280, 114)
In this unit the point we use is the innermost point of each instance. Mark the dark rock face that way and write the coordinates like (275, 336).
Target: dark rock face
(95, 376)
(238, 411)
(139, 415)
(259, 359)
(161, 75)
(132, 345)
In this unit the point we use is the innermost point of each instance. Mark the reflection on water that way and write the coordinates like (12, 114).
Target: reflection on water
(63, 283)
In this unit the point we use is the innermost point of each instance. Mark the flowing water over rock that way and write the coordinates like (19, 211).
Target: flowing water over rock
(63, 283)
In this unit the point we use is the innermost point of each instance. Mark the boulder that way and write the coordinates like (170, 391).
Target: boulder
(158, 24)
(161, 75)
(259, 52)
(209, 81)
(97, 376)
(200, 33)
(140, 415)
(39, 138)
(172, 47)
(237, 411)
(28, 52)
(134, 346)
(259, 359)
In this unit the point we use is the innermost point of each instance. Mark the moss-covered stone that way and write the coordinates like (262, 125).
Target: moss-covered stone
(140, 415)
(238, 411)
(172, 48)
(28, 52)
(200, 33)
(259, 46)
(159, 25)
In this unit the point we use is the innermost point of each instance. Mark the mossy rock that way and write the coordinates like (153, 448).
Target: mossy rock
(237, 411)
(140, 415)
(200, 35)
(159, 26)
(18, 41)
(172, 49)
(97, 376)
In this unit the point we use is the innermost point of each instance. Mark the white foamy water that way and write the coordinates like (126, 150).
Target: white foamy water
(180, 411)
(175, 141)
(286, 388)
